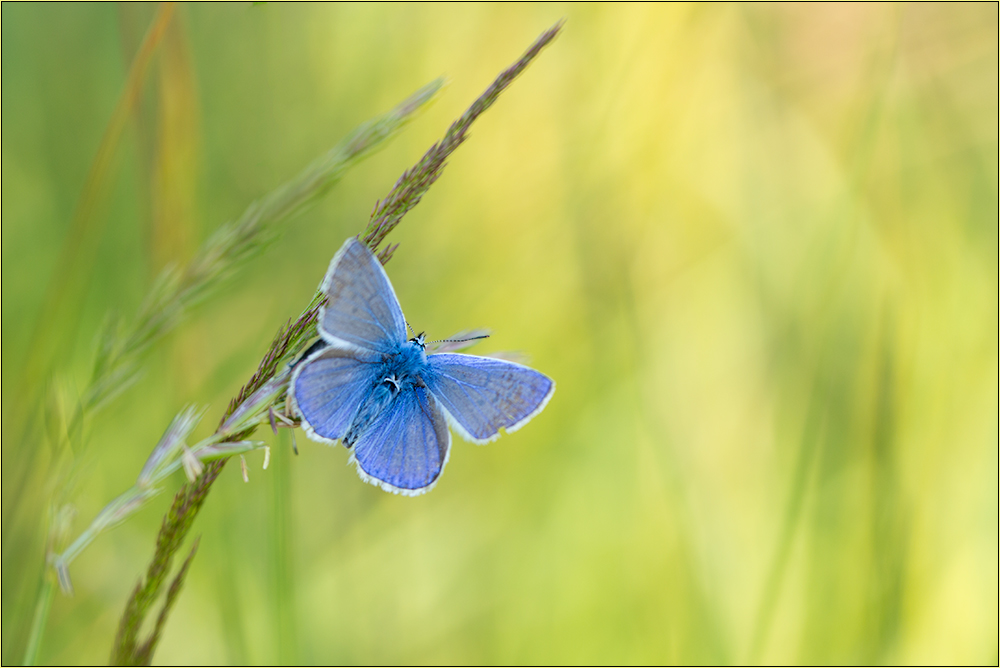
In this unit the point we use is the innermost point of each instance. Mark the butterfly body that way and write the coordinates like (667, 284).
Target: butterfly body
(381, 395)
(397, 373)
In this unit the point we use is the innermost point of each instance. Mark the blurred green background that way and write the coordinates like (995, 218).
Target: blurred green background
(755, 245)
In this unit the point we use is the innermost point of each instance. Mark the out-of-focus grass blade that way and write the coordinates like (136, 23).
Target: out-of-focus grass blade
(178, 289)
(64, 295)
(173, 170)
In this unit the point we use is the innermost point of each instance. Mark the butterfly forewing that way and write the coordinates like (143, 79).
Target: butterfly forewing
(329, 386)
(362, 310)
(483, 395)
(407, 445)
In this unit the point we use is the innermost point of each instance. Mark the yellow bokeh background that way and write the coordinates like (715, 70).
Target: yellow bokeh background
(755, 245)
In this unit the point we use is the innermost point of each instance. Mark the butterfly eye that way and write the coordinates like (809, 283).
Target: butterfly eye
(419, 340)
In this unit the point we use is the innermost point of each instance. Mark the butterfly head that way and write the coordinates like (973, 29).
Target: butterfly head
(420, 339)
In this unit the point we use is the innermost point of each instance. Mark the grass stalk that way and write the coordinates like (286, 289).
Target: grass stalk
(177, 291)
(405, 194)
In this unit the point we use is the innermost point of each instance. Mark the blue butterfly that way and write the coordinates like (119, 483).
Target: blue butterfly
(374, 390)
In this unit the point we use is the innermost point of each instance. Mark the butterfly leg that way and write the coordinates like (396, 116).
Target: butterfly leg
(285, 422)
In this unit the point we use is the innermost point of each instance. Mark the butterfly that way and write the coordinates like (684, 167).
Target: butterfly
(381, 394)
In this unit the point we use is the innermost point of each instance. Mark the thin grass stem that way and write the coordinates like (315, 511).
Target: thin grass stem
(42, 605)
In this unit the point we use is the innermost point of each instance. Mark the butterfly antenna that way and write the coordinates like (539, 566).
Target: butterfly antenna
(471, 338)
(410, 327)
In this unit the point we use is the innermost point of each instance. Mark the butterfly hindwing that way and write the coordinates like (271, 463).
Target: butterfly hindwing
(327, 389)
(361, 310)
(481, 395)
(406, 447)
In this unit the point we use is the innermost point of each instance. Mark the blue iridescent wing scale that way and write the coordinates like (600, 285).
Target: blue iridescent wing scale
(406, 447)
(481, 395)
(362, 311)
(327, 389)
